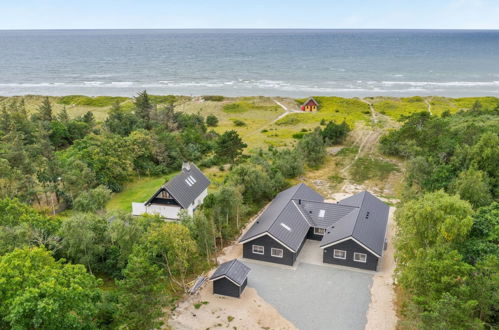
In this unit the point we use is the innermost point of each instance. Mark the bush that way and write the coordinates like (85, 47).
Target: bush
(92, 200)
(288, 121)
(234, 108)
(238, 122)
(369, 168)
(214, 98)
(298, 135)
(211, 120)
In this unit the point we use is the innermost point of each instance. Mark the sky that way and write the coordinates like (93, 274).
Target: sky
(326, 14)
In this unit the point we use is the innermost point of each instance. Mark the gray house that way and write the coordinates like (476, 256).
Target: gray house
(186, 191)
(351, 232)
(230, 278)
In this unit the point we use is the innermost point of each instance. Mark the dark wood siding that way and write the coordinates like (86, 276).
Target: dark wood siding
(268, 242)
(311, 235)
(225, 287)
(350, 246)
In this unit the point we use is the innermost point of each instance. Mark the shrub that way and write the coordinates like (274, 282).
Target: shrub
(234, 108)
(214, 98)
(288, 121)
(370, 168)
(238, 122)
(211, 120)
(92, 200)
(98, 101)
(298, 135)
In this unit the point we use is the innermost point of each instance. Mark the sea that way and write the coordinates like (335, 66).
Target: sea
(296, 63)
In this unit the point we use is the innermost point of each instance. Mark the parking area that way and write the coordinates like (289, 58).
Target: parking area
(314, 296)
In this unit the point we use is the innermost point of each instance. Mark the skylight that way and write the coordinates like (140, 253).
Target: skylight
(285, 226)
(188, 182)
(192, 178)
(322, 213)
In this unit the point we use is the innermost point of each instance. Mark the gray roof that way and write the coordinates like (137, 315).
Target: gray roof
(283, 213)
(234, 270)
(290, 215)
(369, 225)
(311, 99)
(324, 215)
(182, 188)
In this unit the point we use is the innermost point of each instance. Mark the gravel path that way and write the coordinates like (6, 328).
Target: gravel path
(314, 297)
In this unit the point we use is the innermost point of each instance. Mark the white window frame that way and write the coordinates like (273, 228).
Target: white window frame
(258, 247)
(342, 251)
(272, 250)
(319, 231)
(357, 254)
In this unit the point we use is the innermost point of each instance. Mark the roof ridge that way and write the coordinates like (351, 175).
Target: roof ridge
(360, 208)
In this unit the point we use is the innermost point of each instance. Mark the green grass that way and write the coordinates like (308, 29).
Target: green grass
(398, 107)
(371, 168)
(98, 101)
(140, 190)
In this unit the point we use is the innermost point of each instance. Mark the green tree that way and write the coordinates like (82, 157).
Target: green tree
(434, 218)
(312, 148)
(254, 182)
(485, 157)
(92, 200)
(472, 185)
(44, 112)
(41, 293)
(143, 108)
(119, 121)
(202, 231)
(21, 225)
(172, 247)
(229, 146)
(141, 296)
(84, 239)
(288, 162)
(212, 121)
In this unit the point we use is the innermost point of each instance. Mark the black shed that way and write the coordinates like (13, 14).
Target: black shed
(230, 278)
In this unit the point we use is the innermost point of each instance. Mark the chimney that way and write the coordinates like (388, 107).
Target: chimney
(299, 202)
(186, 166)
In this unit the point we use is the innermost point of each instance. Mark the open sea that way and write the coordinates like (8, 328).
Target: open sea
(250, 62)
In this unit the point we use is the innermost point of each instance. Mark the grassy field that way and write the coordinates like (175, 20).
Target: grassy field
(140, 190)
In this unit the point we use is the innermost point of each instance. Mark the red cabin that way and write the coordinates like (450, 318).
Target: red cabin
(310, 105)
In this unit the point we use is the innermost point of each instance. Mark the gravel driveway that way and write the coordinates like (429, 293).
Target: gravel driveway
(314, 296)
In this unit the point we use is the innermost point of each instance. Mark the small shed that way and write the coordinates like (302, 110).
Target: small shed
(230, 278)
(310, 105)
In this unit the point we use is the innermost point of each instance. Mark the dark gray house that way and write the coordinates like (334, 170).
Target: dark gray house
(351, 232)
(230, 278)
(185, 191)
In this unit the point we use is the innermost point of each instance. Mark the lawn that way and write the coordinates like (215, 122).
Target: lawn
(137, 191)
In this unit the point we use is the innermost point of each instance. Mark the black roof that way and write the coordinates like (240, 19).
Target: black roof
(234, 270)
(283, 219)
(369, 227)
(186, 186)
(290, 215)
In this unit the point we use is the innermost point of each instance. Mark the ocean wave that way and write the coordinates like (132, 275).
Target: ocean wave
(433, 83)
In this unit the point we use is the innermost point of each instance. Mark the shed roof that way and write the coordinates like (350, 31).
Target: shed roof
(186, 186)
(234, 270)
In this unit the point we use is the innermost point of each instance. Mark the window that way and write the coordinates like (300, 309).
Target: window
(322, 213)
(340, 254)
(192, 178)
(319, 231)
(285, 226)
(258, 249)
(278, 253)
(188, 182)
(359, 257)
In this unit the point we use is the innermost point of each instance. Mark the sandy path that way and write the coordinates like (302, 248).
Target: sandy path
(371, 108)
(381, 314)
(429, 106)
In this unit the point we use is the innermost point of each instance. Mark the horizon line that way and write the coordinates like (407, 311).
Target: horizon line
(256, 28)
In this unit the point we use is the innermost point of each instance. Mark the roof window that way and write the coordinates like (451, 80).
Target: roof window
(285, 226)
(322, 213)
